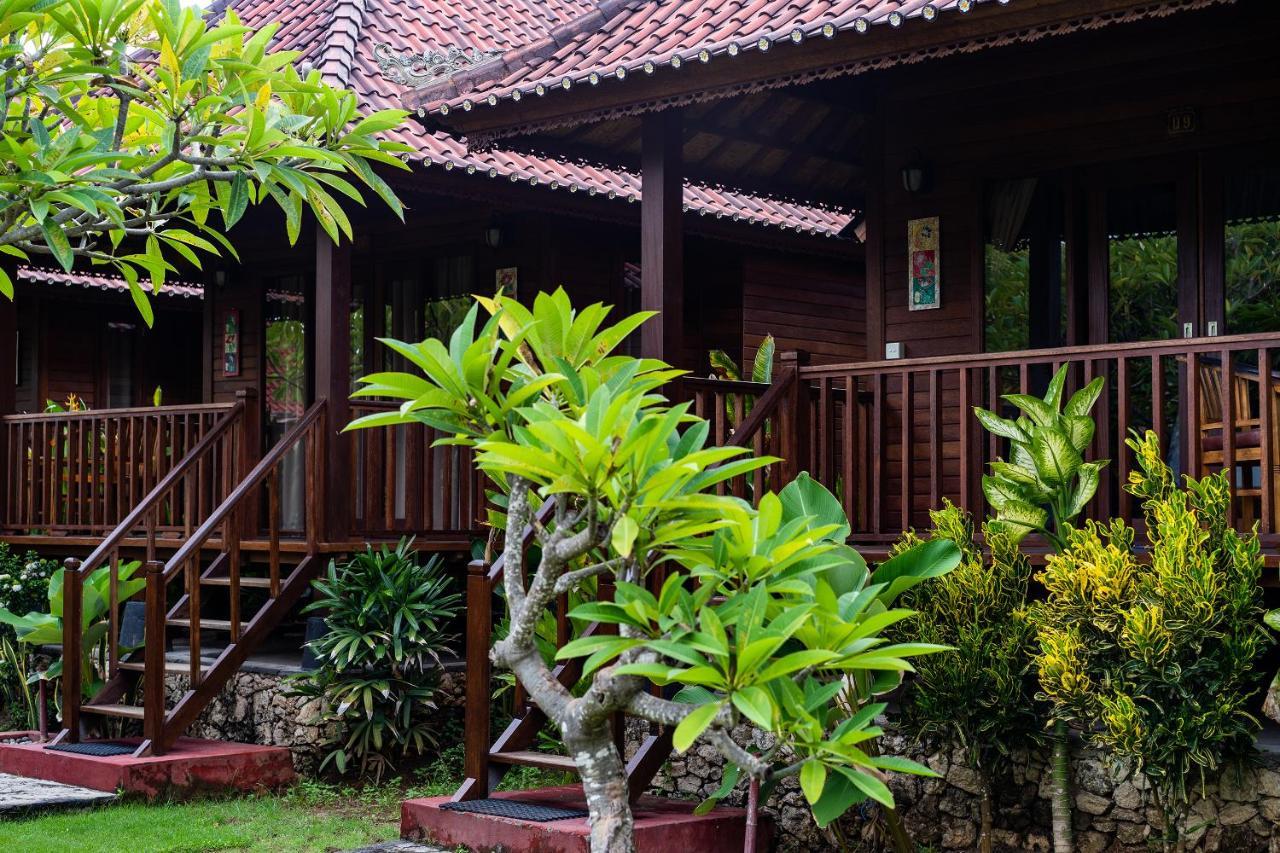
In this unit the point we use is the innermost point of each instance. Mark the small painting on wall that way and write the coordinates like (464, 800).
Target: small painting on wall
(507, 279)
(922, 250)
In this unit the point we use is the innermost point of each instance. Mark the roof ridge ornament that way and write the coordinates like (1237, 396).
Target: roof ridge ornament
(428, 66)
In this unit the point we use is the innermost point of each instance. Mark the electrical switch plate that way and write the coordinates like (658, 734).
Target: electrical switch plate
(893, 350)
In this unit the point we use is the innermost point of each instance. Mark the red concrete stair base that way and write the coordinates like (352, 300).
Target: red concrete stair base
(662, 826)
(191, 766)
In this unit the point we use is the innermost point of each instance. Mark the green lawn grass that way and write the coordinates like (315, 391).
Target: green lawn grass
(311, 816)
(295, 821)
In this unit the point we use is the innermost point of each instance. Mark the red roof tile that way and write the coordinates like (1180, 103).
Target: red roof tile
(642, 35)
(343, 38)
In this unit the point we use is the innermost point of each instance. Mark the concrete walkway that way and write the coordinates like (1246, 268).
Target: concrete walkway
(22, 796)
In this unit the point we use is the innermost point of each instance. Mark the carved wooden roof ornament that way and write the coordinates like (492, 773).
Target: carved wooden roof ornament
(429, 66)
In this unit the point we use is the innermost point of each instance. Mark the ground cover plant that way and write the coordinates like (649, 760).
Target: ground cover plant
(129, 122)
(733, 605)
(978, 699)
(1156, 663)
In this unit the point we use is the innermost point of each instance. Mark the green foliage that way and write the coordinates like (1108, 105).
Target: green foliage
(979, 699)
(42, 629)
(388, 621)
(724, 367)
(1155, 662)
(127, 123)
(764, 615)
(1045, 483)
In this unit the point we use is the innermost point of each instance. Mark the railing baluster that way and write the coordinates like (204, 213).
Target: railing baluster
(907, 413)
(193, 618)
(877, 452)
(1269, 476)
(113, 599)
(1228, 402)
(273, 527)
(1122, 432)
(848, 440)
(936, 469)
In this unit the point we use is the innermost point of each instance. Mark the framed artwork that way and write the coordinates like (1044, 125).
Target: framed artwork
(925, 290)
(507, 279)
(231, 343)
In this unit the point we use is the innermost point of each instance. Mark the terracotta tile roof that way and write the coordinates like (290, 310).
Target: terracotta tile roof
(342, 38)
(45, 275)
(621, 39)
(624, 37)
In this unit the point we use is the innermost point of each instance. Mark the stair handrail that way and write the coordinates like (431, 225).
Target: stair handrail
(245, 487)
(75, 571)
(161, 729)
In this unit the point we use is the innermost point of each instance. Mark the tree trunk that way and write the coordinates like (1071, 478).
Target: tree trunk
(1063, 833)
(901, 841)
(604, 782)
(984, 812)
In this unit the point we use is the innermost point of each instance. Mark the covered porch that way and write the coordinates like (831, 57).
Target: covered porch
(1019, 210)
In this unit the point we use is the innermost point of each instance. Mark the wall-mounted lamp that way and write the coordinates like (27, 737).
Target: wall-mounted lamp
(220, 279)
(493, 234)
(917, 175)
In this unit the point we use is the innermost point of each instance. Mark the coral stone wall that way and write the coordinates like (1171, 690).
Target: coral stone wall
(1239, 813)
(255, 707)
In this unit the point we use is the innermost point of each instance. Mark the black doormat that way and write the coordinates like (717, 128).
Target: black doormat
(516, 809)
(97, 750)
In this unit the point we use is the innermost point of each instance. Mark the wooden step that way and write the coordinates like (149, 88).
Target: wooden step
(131, 712)
(249, 583)
(177, 667)
(529, 758)
(205, 624)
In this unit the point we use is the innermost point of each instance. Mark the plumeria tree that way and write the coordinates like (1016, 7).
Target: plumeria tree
(743, 613)
(135, 133)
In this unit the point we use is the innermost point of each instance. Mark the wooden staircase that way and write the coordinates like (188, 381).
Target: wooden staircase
(775, 420)
(210, 586)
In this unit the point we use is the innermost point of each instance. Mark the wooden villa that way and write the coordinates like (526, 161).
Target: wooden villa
(927, 204)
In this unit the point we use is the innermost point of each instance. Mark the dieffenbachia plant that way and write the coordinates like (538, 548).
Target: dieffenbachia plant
(764, 615)
(1046, 482)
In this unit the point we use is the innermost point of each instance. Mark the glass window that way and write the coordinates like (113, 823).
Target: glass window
(1251, 207)
(1025, 269)
(1142, 262)
(286, 387)
(119, 358)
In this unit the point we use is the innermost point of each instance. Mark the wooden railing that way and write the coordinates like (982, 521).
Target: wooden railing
(81, 473)
(404, 486)
(894, 438)
(764, 418)
(200, 481)
(220, 534)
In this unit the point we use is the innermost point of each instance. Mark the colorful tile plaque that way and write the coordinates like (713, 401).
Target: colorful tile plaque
(922, 249)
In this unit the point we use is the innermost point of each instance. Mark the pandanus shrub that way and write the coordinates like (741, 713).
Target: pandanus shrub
(734, 603)
(388, 617)
(1155, 661)
(979, 699)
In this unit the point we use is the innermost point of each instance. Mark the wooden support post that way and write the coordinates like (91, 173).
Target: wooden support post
(333, 379)
(246, 451)
(153, 659)
(72, 690)
(476, 734)
(662, 237)
(795, 449)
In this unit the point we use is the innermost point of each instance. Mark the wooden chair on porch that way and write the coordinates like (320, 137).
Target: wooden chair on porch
(1247, 392)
